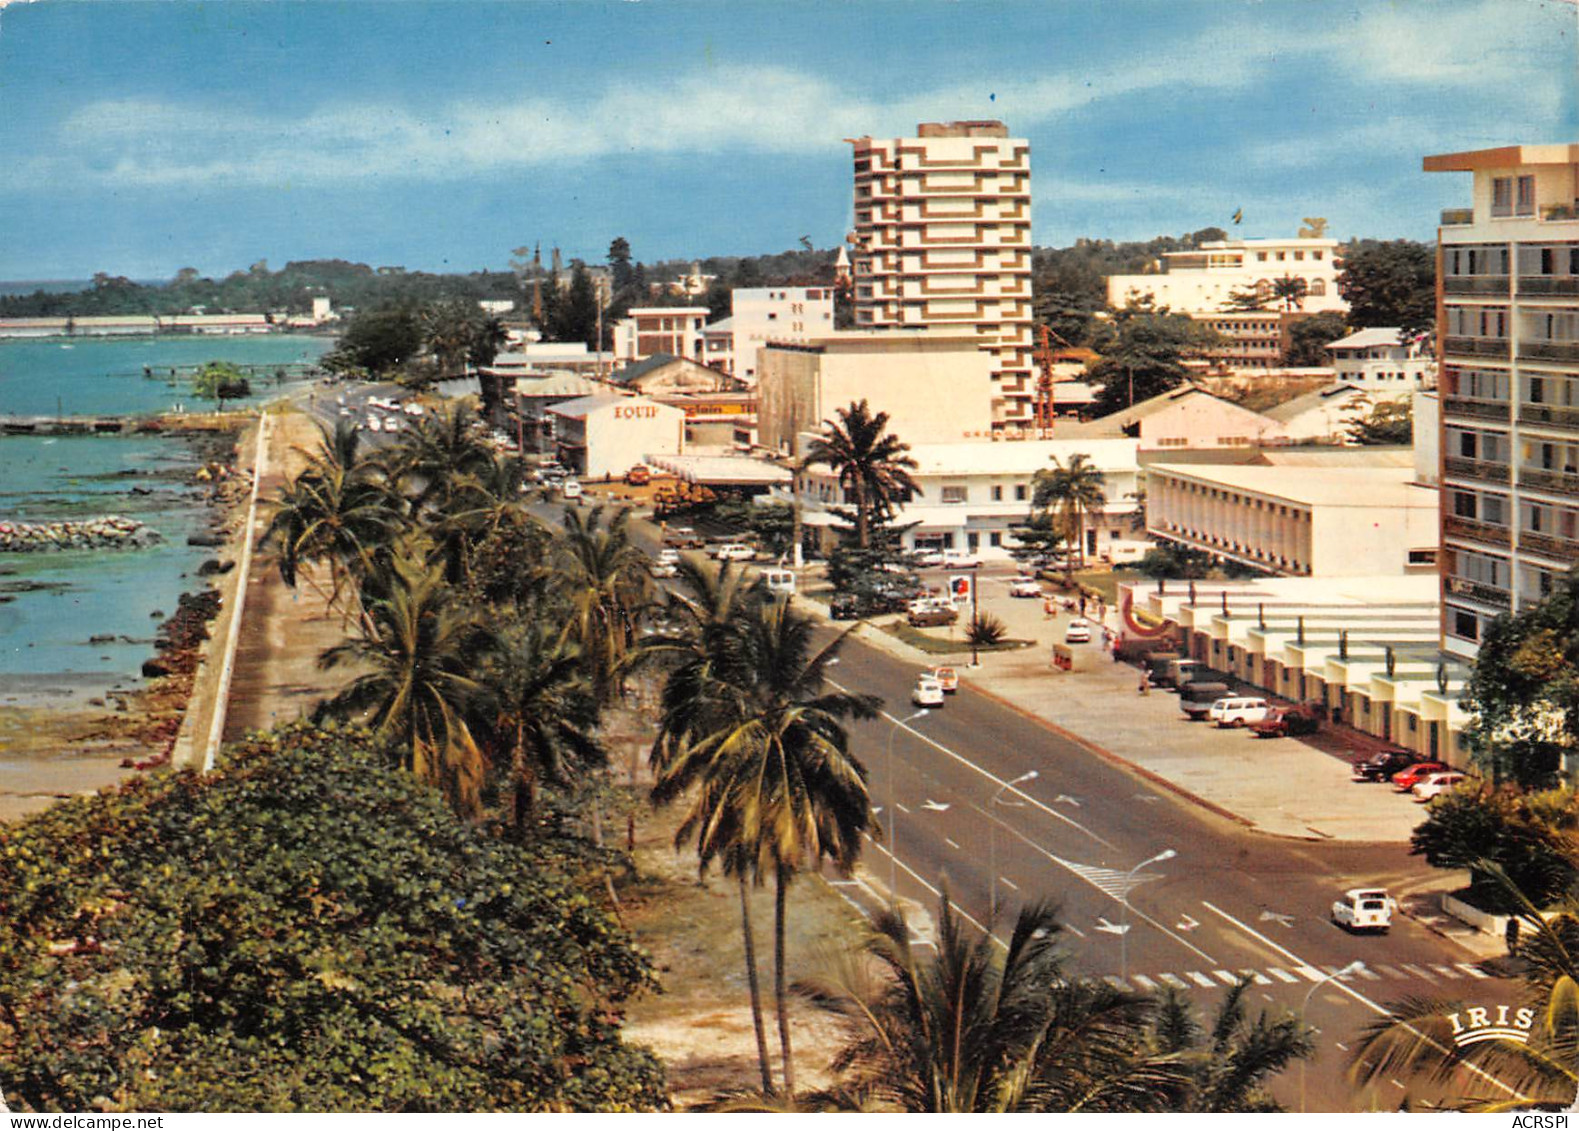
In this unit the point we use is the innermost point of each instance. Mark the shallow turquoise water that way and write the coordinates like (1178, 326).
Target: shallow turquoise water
(44, 633)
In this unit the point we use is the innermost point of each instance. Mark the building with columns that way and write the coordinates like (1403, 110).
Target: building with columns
(943, 240)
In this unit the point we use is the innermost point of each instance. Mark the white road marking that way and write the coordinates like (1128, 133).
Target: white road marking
(935, 806)
(1343, 1047)
(1445, 971)
(1343, 987)
(1145, 983)
(958, 910)
(1281, 975)
(1257, 977)
(951, 842)
(1472, 971)
(1112, 928)
(1310, 973)
(1074, 929)
(993, 778)
(1008, 883)
(1368, 974)
(901, 808)
(1227, 978)
(1141, 915)
(843, 883)
(1200, 979)
(1175, 981)
(1417, 972)
(1393, 972)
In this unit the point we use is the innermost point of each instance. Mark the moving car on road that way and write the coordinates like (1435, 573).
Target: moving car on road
(1078, 632)
(1365, 909)
(1434, 785)
(1025, 587)
(928, 692)
(947, 677)
(667, 563)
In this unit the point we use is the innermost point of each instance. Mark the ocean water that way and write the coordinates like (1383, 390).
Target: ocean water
(85, 376)
(50, 604)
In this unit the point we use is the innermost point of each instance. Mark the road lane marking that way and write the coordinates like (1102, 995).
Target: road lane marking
(1446, 972)
(902, 809)
(1145, 983)
(1311, 973)
(1393, 972)
(1226, 977)
(1344, 987)
(1257, 977)
(993, 778)
(1008, 883)
(1472, 971)
(1200, 979)
(958, 910)
(1141, 915)
(1281, 975)
(1075, 929)
(1417, 972)
(1175, 981)
(1368, 974)
(951, 842)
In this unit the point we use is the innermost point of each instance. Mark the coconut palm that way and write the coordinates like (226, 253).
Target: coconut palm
(872, 464)
(971, 1027)
(417, 647)
(769, 757)
(545, 725)
(1074, 493)
(433, 455)
(449, 330)
(479, 504)
(1290, 291)
(1227, 1073)
(602, 577)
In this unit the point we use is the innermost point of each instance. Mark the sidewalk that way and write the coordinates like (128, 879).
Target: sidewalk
(1287, 787)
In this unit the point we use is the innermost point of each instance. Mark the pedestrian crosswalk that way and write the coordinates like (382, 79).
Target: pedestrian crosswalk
(1435, 973)
(1110, 881)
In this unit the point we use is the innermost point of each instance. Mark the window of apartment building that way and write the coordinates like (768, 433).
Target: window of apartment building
(1554, 326)
(1299, 256)
(1513, 196)
(997, 493)
(1317, 287)
(1477, 321)
(995, 538)
(1480, 384)
(1524, 202)
(1281, 256)
(1481, 568)
(1317, 255)
(1261, 255)
(1422, 557)
(1464, 624)
(1547, 456)
(954, 494)
(1020, 492)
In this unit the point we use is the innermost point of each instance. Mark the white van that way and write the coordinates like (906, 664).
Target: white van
(780, 581)
(571, 489)
(1238, 711)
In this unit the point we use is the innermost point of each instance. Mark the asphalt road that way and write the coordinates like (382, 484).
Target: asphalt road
(962, 813)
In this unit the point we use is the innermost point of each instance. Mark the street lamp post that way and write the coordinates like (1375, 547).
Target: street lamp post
(992, 840)
(893, 808)
(1351, 968)
(1123, 934)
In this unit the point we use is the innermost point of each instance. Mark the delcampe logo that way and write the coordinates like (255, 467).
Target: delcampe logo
(1477, 1024)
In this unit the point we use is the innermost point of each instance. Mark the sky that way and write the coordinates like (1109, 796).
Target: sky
(142, 136)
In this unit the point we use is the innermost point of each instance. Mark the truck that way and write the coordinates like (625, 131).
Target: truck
(1177, 671)
(1197, 696)
(1365, 909)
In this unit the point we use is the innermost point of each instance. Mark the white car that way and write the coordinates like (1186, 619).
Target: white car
(413, 409)
(374, 424)
(571, 489)
(1078, 632)
(1238, 711)
(927, 604)
(666, 564)
(733, 552)
(1025, 587)
(961, 559)
(1434, 785)
(1365, 909)
(928, 692)
(392, 424)
(928, 559)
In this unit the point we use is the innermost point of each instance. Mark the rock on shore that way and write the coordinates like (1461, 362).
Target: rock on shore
(107, 532)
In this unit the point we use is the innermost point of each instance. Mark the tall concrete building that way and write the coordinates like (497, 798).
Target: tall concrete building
(1508, 351)
(943, 239)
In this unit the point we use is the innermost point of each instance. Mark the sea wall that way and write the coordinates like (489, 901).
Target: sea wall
(107, 532)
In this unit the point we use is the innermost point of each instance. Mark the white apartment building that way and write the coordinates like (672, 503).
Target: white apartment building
(1508, 356)
(1377, 361)
(1199, 281)
(972, 494)
(759, 315)
(675, 330)
(943, 239)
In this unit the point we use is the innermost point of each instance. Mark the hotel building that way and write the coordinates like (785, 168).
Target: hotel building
(1508, 354)
(943, 239)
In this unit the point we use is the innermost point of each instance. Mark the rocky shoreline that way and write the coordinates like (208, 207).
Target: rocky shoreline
(110, 531)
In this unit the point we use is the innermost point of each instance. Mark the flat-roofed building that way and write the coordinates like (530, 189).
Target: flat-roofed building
(943, 239)
(1201, 280)
(1508, 358)
(647, 330)
(606, 434)
(759, 315)
(1381, 361)
(1322, 521)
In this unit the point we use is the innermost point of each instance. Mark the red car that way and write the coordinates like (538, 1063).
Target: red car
(1404, 780)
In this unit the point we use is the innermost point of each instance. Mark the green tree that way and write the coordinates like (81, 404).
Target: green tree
(1524, 690)
(1308, 338)
(969, 1027)
(1074, 493)
(435, 454)
(1389, 422)
(220, 381)
(1229, 1063)
(1143, 349)
(603, 579)
(1171, 560)
(305, 929)
(1390, 284)
(576, 314)
(1290, 290)
(449, 331)
(1248, 299)
(873, 465)
(620, 271)
(1528, 837)
(773, 778)
(377, 341)
(416, 651)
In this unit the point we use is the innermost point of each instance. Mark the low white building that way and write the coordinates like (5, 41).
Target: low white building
(1323, 416)
(647, 330)
(1375, 360)
(1186, 417)
(606, 434)
(974, 493)
(759, 315)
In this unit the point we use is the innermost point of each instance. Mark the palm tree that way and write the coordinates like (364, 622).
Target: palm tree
(1290, 291)
(770, 759)
(1074, 492)
(872, 465)
(449, 330)
(479, 504)
(417, 648)
(972, 1028)
(432, 456)
(1227, 1074)
(603, 578)
(707, 609)
(547, 717)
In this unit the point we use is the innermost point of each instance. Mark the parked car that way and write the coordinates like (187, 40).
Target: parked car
(854, 606)
(667, 563)
(948, 677)
(733, 552)
(1025, 587)
(1381, 767)
(1196, 698)
(571, 489)
(1434, 785)
(684, 537)
(1283, 721)
(639, 475)
(1176, 672)
(961, 559)
(929, 558)
(1365, 909)
(1238, 711)
(779, 581)
(1078, 632)
(932, 615)
(1405, 780)
(928, 692)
